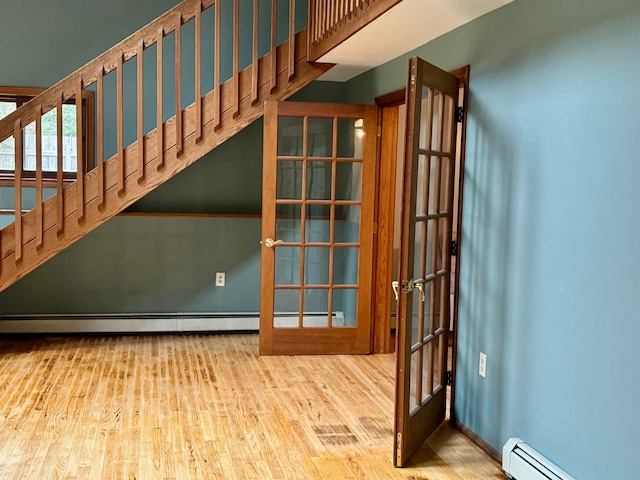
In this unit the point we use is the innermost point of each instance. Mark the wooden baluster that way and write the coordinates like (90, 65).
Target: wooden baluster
(140, 114)
(313, 23)
(178, 68)
(326, 24)
(312, 28)
(60, 166)
(292, 39)
(119, 122)
(256, 44)
(100, 133)
(39, 216)
(236, 58)
(319, 6)
(159, 113)
(320, 19)
(198, 70)
(325, 20)
(332, 12)
(17, 190)
(217, 105)
(326, 17)
(274, 44)
(79, 153)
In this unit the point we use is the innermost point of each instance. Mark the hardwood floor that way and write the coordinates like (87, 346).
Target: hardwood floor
(205, 407)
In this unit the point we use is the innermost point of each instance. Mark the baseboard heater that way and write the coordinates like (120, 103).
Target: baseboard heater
(156, 322)
(521, 462)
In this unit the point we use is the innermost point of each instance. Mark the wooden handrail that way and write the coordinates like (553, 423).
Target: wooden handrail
(108, 61)
(331, 22)
(92, 76)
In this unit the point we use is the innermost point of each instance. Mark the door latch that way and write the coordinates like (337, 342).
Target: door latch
(408, 287)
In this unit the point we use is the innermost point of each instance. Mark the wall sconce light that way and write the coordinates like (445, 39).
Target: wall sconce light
(358, 125)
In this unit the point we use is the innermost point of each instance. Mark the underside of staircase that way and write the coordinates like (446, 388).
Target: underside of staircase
(115, 183)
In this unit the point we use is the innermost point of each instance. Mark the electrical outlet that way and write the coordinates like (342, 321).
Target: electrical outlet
(220, 279)
(482, 371)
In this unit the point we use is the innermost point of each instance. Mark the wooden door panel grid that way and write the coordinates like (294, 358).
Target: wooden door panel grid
(317, 204)
(425, 255)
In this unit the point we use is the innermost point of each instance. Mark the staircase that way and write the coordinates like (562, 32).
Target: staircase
(158, 154)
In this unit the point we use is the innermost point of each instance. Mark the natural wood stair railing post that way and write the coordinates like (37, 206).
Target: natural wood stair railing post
(100, 134)
(198, 71)
(59, 167)
(178, 92)
(39, 215)
(120, 123)
(17, 189)
(140, 109)
(159, 102)
(217, 101)
(80, 197)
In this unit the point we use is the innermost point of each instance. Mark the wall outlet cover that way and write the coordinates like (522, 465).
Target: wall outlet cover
(482, 370)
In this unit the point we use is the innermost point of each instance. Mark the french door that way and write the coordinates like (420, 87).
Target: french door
(425, 259)
(317, 228)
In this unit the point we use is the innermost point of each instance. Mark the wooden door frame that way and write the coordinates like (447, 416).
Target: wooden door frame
(384, 218)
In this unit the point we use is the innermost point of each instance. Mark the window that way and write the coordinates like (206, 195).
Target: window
(13, 98)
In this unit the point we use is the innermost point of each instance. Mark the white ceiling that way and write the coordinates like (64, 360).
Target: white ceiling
(406, 26)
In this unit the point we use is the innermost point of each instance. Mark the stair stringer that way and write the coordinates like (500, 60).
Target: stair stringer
(55, 241)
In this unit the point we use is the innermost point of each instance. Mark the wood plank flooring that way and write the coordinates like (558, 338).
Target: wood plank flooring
(205, 407)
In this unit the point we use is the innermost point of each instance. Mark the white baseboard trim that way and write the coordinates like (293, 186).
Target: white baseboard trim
(153, 323)
(144, 323)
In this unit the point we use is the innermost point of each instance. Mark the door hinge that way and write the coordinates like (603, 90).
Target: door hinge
(375, 227)
(454, 248)
(379, 131)
(449, 378)
(399, 450)
(460, 115)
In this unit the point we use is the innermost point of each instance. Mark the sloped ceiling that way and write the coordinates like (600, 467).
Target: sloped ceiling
(406, 26)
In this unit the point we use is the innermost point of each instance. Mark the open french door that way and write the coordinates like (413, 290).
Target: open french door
(317, 228)
(425, 259)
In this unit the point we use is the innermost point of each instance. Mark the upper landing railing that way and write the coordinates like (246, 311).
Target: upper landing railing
(333, 21)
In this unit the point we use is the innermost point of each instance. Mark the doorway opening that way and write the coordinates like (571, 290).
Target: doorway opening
(408, 197)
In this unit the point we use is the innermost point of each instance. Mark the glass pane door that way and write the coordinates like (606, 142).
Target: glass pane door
(319, 160)
(425, 263)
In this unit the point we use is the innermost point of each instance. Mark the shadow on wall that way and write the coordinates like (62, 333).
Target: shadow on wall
(491, 245)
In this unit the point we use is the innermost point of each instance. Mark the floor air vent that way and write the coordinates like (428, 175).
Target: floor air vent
(521, 462)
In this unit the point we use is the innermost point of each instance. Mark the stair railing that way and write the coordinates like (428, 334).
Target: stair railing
(119, 62)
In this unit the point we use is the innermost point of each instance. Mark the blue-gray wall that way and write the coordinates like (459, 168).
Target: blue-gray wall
(550, 271)
(148, 264)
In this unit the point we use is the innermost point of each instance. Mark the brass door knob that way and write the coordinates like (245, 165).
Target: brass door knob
(270, 242)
